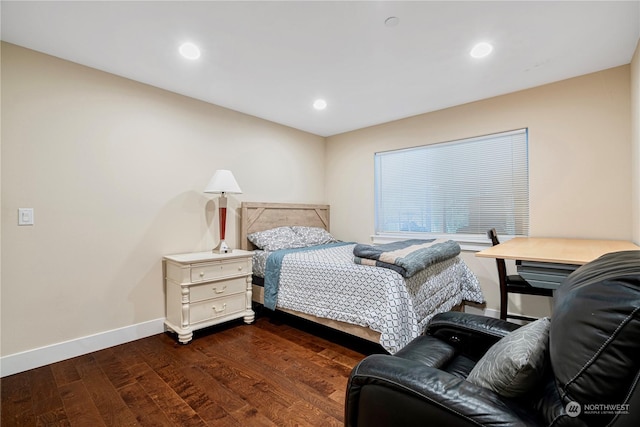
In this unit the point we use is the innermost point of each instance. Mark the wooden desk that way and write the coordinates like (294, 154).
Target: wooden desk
(546, 262)
(557, 251)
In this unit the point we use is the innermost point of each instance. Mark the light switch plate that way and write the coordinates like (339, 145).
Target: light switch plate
(25, 216)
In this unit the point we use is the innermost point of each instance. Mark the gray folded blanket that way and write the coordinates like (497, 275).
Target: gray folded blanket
(406, 257)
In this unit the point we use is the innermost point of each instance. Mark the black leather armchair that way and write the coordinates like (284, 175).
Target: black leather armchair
(592, 370)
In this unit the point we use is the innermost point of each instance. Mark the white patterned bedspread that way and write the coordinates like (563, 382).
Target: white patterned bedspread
(327, 283)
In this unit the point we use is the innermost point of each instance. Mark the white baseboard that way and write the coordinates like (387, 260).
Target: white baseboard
(23, 361)
(489, 312)
(30, 359)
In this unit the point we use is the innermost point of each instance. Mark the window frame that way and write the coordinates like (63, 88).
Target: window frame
(467, 241)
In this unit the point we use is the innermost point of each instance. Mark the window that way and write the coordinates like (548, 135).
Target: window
(460, 187)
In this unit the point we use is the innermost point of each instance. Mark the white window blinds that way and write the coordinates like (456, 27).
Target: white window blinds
(459, 187)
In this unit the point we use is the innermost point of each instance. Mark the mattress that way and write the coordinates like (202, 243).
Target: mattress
(327, 283)
(259, 264)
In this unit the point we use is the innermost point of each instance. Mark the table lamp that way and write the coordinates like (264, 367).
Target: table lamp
(222, 182)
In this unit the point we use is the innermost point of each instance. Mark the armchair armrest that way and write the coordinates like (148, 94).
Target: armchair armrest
(388, 391)
(473, 323)
(470, 333)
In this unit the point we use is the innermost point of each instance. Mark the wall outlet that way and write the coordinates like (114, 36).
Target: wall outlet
(25, 216)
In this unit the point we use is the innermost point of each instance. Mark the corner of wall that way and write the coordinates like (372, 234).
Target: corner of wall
(635, 144)
(1, 46)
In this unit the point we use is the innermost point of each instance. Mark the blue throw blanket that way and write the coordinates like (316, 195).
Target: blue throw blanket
(406, 257)
(274, 267)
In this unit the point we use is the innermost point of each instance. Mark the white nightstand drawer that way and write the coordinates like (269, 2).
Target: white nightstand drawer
(206, 310)
(218, 270)
(217, 289)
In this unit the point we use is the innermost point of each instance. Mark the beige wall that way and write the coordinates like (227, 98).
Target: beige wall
(115, 171)
(635, 141)
(579, 150)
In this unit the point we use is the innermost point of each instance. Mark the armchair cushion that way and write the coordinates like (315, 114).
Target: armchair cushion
(472, 335)
(513, 365)
(594, 339)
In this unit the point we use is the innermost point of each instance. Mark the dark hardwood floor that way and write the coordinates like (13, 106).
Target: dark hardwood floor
(276, 372)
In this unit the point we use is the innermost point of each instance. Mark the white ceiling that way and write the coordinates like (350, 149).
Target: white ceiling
(273, 59)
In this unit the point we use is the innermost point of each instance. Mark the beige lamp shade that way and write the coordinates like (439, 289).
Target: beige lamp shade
(223, 182)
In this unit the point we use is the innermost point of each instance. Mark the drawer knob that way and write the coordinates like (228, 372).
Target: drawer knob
(202, 274)
(224, 307)
(215, 289)
(240, 268)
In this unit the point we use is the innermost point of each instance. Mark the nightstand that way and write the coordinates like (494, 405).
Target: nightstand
(205, 289)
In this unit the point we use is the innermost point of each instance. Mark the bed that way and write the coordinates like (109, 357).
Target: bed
(323, 284)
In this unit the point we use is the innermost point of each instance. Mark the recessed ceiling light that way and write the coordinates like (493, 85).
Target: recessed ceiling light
(319, 104)
(190, 51)
(481, 50)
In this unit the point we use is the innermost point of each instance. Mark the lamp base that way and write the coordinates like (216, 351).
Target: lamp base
(222, 248)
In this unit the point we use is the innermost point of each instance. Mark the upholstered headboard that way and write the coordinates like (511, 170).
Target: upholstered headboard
(264, 216)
